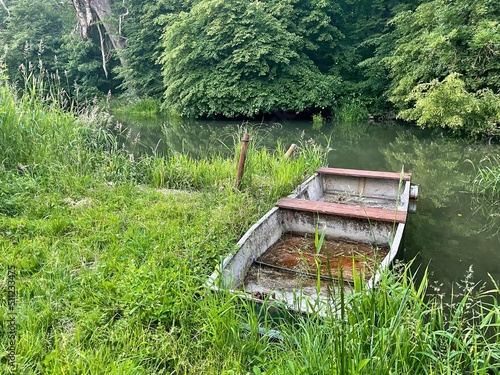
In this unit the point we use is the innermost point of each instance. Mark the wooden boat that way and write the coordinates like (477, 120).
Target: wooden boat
(361, 214)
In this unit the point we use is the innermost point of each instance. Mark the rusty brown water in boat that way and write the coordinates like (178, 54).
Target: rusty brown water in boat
(298, 253)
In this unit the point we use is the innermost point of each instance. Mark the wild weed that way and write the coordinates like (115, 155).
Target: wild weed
(353, 111)
(487, 179)
(486, 190)
(318, 121)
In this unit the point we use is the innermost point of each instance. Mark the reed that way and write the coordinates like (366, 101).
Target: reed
(353, 111)
(146, 107)
(31, 133)
(487, 179)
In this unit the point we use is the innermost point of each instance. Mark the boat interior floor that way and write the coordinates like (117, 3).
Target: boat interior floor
(294, 264)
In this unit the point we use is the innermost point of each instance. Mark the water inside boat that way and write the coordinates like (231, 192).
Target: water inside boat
(292, 264)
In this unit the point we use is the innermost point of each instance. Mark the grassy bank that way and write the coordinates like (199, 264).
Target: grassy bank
(109, 254)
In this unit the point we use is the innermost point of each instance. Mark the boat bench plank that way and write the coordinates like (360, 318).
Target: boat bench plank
(339, 209)
(365, 174)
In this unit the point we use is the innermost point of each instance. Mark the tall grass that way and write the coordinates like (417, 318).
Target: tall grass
(487, 179)
(396, 328)
(111, 254)
(486, 188)
(137, 107)
(351, 112)
(40, 139)
(31, 133)
(268, 174)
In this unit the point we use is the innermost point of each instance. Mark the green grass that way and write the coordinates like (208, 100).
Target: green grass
(136, 107)
(351, 112)
(486, 189)
(487, 180)
(317, 120)
(111, 254)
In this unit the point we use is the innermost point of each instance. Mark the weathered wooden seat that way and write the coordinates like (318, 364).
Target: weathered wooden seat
(370, 213)
(366, 174)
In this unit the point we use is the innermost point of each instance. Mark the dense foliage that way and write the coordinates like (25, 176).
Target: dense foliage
(433, 62)
(39, 39)
(249, 58)
(445, 64)
(143, 27)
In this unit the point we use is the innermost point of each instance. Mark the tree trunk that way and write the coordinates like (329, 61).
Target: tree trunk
(89, 11)
(84, 19)
(102, 9)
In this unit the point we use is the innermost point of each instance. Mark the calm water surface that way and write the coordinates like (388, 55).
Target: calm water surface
(451, 231)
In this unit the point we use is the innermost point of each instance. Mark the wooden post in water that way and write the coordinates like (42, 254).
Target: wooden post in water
(241, 163)
(290, 150)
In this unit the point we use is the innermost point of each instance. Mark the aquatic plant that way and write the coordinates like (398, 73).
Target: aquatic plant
(317, 120)
(353, 111)
(145, 107)
(487, 179)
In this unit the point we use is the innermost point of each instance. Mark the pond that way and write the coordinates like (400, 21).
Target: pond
(451, 231)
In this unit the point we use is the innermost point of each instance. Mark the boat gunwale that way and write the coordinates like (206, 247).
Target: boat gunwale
(361, 173)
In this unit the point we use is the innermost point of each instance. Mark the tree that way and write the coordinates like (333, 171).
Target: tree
(30, 34)
(446, 38)
(40, 41)
(142, 29)
(97, 12)
(237, 57)
(371, 41)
